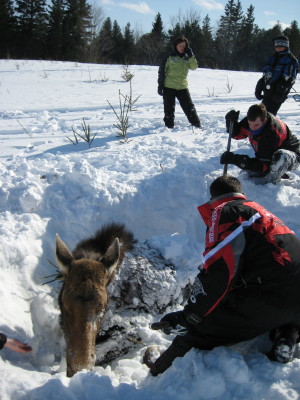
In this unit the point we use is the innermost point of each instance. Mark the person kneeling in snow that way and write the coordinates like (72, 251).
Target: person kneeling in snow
(276, 149)
(249, 282)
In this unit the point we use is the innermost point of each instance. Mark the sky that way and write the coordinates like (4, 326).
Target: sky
(141, 13)
(152, 180)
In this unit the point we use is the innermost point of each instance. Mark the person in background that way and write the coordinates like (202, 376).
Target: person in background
(277, 150)
(279, 75)
(14, 344)
(172, 82)
(248, 284)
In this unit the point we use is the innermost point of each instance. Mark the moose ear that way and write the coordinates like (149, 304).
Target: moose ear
(112, 256)
(63, 255)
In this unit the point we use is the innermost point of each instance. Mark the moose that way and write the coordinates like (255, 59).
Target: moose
(83, 299)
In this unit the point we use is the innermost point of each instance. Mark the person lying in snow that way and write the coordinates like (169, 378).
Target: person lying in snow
(249, 282)
(276, 149)
(13, 344)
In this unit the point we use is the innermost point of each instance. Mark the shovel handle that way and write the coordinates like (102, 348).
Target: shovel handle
(228, 145)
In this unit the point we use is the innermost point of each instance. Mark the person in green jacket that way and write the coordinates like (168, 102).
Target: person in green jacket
(172, 82)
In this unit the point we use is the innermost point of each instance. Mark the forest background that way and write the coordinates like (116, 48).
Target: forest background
(75, 30)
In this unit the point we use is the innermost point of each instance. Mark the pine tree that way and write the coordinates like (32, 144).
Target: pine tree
(32, 27)
(77, 30)
(118, 50)
(104, 42)
(7, 28)
(245, 49)
(129, 45)
(206, 59)
(55, 34)
(151, 46)
(293, 33)
(227, 34)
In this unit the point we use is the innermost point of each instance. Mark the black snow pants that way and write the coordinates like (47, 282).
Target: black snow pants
(237, 320)
(186, 104)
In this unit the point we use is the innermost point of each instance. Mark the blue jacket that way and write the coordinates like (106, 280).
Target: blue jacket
(282, 64)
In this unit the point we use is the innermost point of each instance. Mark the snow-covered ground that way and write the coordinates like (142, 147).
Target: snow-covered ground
(153, 183)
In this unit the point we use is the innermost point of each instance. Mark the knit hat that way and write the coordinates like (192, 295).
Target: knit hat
(281, 41)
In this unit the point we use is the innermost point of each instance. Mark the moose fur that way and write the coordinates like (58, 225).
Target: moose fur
(83, 299)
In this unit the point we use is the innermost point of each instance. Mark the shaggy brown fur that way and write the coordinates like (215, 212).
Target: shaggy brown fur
(83, 299)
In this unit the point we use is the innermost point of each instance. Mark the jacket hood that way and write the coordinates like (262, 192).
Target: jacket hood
(206, 209)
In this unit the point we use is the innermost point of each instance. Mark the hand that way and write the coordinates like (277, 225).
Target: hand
(227, 158)
(160, 90)
(189, 52)
(267, 76)
(16, 345)
(177, 323)
(231, 117)
(240, 160)
(259, 89)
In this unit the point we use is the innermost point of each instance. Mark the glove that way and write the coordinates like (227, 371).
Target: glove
(178, 324)
(267, 76)
(240, 160)
(259, 89)
(231, 116)
(160, 90)
(188, 52)
(283, 86)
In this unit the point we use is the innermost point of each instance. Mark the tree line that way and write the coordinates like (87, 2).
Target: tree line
(74, 30)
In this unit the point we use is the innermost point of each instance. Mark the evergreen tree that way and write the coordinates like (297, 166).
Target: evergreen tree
(293, 33)
(55, 37)
(227, 33)
(118, 50)
(206, 56)
(151, 46)
(105, 43)
(7, 28)
(32, 27)
(77, 28)
(245, 50)
(129, 45)
(157, 28)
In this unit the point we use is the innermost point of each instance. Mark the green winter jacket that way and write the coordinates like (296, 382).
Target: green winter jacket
(173, 71)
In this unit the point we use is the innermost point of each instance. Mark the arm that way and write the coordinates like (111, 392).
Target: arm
(162, 72)
(13, 344)
(16, 345)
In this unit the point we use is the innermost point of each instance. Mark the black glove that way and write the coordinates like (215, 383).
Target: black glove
(160, 90)
(259, 88)
(178, 324)
(232, 116)
(240, 160)
(189, 52)
(283, 86)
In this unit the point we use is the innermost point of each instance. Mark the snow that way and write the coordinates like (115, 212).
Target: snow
(152, 182)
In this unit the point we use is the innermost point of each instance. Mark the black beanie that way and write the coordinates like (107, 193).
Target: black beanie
(281, 41)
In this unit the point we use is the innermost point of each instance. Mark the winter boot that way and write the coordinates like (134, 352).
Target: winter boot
(169, 122)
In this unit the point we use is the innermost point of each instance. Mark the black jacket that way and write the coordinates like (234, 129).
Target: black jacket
(274, 136)
(248, 250)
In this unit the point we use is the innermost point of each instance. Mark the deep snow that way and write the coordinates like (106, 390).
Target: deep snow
(153, 183)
